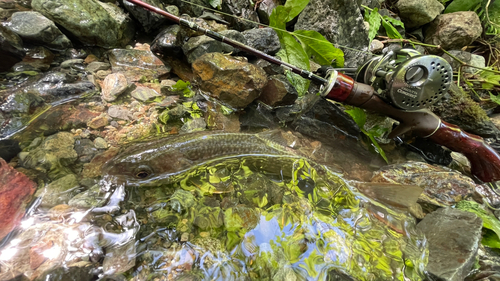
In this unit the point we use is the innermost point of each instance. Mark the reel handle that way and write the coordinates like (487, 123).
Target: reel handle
(484, 160)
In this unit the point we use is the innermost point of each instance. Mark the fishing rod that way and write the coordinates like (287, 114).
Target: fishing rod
(403, 91)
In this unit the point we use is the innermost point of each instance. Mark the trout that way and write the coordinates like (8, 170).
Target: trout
(164, 161)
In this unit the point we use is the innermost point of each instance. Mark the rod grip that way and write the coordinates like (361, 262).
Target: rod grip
(484, 160)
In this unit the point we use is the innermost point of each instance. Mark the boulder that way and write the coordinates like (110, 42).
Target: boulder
(263, 39)
(16, 190)
(233, 81)
(278, 91)
(11, 48)
(454, 30)
(453, 236)
(198, 46)
(92, 22)
(467, 57)
(415, 13)
(340, 22)
(33, 27)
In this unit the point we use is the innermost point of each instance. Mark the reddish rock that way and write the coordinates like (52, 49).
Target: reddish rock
(16, 190)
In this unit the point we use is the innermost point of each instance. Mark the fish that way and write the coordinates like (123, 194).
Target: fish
(164, 161)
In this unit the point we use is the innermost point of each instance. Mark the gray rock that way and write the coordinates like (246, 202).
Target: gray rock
(33, 27)
(144, 94)
(92, 197)
(376, 46)
(85, 150)
(263, 39)
(94, 23)
(466, 57)
(341, 22)
(168, 42)
(269, 68)
(96, 66)
(148, 20)
(116, 111)
(11, 48)
(454, 30)
(200, 45)
(372, 3)
(242, 9)
(71, 63)
(266, 8)
(100, 143)
(137, 64)
(20, 102)
(58, 191)
(453, 236)
(415, 13)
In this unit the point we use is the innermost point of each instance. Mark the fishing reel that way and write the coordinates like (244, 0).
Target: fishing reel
(407, 79)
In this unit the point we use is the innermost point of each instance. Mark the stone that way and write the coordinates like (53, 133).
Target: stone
(147, 19)
(340, 22)
(168, 42)
(119, 112)
(33, 27)
(265, 10)
(9, 149)
(240, 9)
(234, 82)
(442, 186)
(137, 64)
(278, 91)
(415, 13)
(94, 23)
(71, 63)
(37, 58)
(113, 85)
(16, 191)
(85, 149)
(144, 94)
(196, 124)
(263, 39)
(93, 197)
(453, 31)
(269, 68)
(198, 46)
(100, 143)
(216, 119)
(376, 46)
(96, 66)
(453, 237)
(11, 48)
(58, 191)
(466, 57)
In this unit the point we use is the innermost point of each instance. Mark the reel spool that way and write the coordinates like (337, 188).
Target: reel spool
(407, 79)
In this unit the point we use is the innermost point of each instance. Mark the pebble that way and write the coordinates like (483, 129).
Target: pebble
(185, 237)
(113, 86)
(144, 94)
(100, 143)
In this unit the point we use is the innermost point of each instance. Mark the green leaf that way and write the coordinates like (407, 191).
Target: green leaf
(293, 53)
(295, 6)
(391, 30)
(462, 5)
(358, 115)
(278, 18)
(489, 221)
(320, 49)
(374, 20)
(378, 149)
(495, 98)
(394, 21)
(490, 239)
(215, 3)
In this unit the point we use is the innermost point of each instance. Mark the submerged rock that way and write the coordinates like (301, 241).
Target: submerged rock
(92, 22)
(341, 22)
(137, 64)
(33, 27)
(16, 190)
(415, 13)
(453, 237)
(58, 191)
(453, 30)
(234, 82)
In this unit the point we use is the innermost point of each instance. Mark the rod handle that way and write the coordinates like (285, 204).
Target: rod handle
(484, 160)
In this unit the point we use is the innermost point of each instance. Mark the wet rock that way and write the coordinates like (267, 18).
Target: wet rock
(73, 273)
(72, 63)
(100, 143)
(453, 236)
(263, 39)
(241, 9)
(113, 85)
(415, 13)
(54, 155)
(37, 58)
(144, 94)
(340, 21)
(16, 191)
(168, 42)
(137, 64)
(240, 217)
(265, 9)
(216, 119)
(235, 82)
(200, 45)
(119, 112)
(9, 149)
(466, 57)
(458, 108)
(11, 48)
(209, 218)
(100, 121)
(58, 191)
(454, 30)
(85, 150)
(93, 197)
(442, 186)
(196, 124)
(278, 91)
(92, 22)
(148, 20)
(96, 66)
(21, 102)
(33, 27)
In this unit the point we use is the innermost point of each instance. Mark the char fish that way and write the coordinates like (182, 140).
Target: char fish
(163, 161)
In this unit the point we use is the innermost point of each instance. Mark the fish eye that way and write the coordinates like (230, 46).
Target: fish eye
(142, 172)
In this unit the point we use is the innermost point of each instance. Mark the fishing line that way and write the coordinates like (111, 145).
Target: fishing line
(275, 28)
